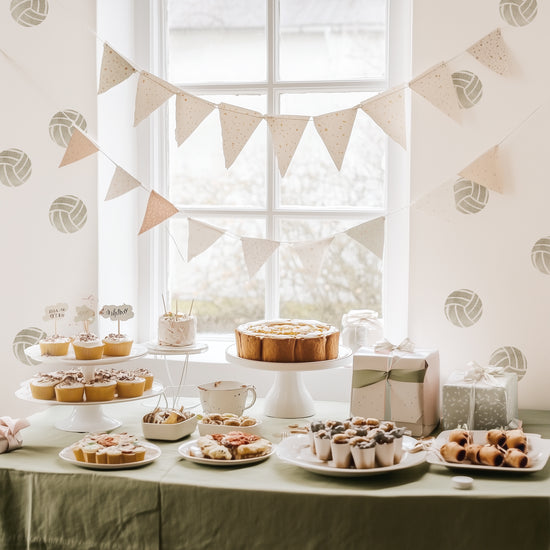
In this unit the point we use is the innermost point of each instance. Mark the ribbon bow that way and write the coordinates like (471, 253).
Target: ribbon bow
(386, 346)
(10, 438)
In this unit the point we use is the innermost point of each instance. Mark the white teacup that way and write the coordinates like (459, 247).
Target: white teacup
(226, 396)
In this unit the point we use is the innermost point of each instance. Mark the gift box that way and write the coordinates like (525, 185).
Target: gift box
(394, 384)
(480, 398)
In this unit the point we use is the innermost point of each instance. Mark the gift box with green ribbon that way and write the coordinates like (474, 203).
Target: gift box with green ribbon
(397, 383)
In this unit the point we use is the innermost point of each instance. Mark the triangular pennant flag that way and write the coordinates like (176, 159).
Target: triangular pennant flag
(436, 86)
(335, 131)
(151, 93)
(286, 133)
(484, 170)
(121, 183)
(492, 51)
(257, 252)
(370, 234)
(114, 69)
(78, 148)
(388, 111)
(158, 210)
(238, 125)
(438, 201)
(201, 237)
(190, 112)
(312, 254)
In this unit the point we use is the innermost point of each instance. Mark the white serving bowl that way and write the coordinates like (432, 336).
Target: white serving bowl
(169, 432)
(209, 429)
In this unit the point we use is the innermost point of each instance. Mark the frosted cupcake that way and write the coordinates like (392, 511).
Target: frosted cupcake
(88, 346)
(102, 387)
(363, 452)
(55, 345)
(117, 345)
(43, 386)
(129, 385)
(147, 374)
(69, 390)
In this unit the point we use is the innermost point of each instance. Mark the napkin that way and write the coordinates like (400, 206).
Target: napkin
(10, 438)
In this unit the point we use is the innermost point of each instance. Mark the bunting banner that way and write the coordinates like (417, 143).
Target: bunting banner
(257, 252)
(151, 93)
(121, 183)
(312, 255)
(335, 130)
(286, 133)
(437, 202)
(484, 170)
(158, 210)
(436, 86)
(190, 112)
(79, 147)
(114, 69)
(201, 236)
(492, 52)
(370, 234)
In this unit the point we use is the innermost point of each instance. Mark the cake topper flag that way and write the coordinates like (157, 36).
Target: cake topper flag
(370, 234)
(335, 130)
(55, 312)
(238, 125)
(201, 237)
(286, 133)
(84, 314)
(257, 252)
(151, 93)
(484, 170)
(492, 51)
(114, 69)
(436, 86)
(79, 147)
(388, 111)
(121, 183)
(190, 112)
(158, 209)
(117, 313)
(312, 254)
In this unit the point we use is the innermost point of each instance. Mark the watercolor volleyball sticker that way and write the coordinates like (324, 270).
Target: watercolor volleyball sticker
(518, 13)
(540, 255)
(62, 126)
(68, 214)
(469, 89)
(29, 13)
(470, 197)
(511, 359)
(24, 339)
(15, 167)
(463, 308)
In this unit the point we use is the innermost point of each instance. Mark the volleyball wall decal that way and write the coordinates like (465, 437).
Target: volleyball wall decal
(518, 13)
(29, 13)
(23, 340)
(68, 214)
(511, 359)
(540, 255)
(469, 88)
(63, 123)
(470, 197)
(463, 308)
(15, 167)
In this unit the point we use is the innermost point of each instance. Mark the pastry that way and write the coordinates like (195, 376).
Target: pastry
(516, 459)
(105, 448)
(321, 440)
(384, 449)
(453, 452)
(69, 389)
(496, 437)
(462, 437)
(87, 346)
(117, 345)
(287, 341)
(129, 385)
(177, 329)
(55, 345)
(516, 439)
(210, 448)
(490, 455)
(472, 453)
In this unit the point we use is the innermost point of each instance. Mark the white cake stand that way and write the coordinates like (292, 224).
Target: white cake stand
(288, 397)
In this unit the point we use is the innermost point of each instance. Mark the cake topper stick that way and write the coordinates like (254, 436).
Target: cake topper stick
(55, 312)
(176, 308)
(191, 307)
(84, 314)
(164, 304)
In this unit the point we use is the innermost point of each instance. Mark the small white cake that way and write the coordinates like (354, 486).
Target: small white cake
(177, 330)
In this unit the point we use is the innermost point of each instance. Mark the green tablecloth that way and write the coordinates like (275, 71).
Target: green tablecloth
(172, 503)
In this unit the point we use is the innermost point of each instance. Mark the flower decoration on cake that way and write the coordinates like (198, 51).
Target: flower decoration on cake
(117, 344)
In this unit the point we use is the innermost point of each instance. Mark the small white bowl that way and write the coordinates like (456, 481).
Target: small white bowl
(169, 432)
(209, 429)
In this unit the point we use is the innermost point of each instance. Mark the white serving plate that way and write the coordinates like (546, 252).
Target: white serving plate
(209, 429)
(34, 353)
(152, 452)
(538, 451)
(296, 450)
(191, 451)
(192, 349)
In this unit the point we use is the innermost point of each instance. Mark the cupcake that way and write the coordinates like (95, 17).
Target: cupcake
(129, 385)
(147, 374)
(397, 444)
(118, 345)
(322, 444)
(90, 451)
(55, 345)
(69, 390)
(314, 427)
(114, 455)
(363, 452)
(384, 450)
(102, 387)
(43, 386)
(88, 346)
(341, 451)
(101, 455)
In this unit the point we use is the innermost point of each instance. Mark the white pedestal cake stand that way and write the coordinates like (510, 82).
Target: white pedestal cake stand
(288, 397)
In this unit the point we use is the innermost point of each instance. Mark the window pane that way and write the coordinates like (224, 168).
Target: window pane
(312, 178)
(197, 169)
(216, 41)
(217, 279)
(350, 276)
(332, 39)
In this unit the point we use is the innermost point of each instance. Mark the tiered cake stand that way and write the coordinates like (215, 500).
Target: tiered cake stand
(288, 397)
(85, 416)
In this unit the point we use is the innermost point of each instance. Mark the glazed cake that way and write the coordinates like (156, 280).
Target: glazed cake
(287, 341)
(177, 330)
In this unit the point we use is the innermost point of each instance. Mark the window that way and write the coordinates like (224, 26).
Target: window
(302, 57)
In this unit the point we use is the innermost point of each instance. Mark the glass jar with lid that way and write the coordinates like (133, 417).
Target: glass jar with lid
(361, 327)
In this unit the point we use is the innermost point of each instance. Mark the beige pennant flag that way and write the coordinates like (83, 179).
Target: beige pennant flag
(492, 51)
(121, 183)
(78, 148)
(438, 201)
(484, 170)
(436, 86)
(388, 111)
(312, 254)
(238, 125)
(151, 93)
(257, 252)
(114, 69)
(370, 234)
(201, 236)
(286, 133)
(335, 131)
(158, 210)
(190, 112)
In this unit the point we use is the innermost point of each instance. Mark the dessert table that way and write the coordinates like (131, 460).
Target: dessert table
(172, 503)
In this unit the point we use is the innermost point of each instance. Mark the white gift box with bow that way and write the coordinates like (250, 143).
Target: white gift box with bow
(397, 383)
(10, 437)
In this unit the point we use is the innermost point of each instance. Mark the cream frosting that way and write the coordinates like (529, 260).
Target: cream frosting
(87, 340)
(116, 338)
(177, 330)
